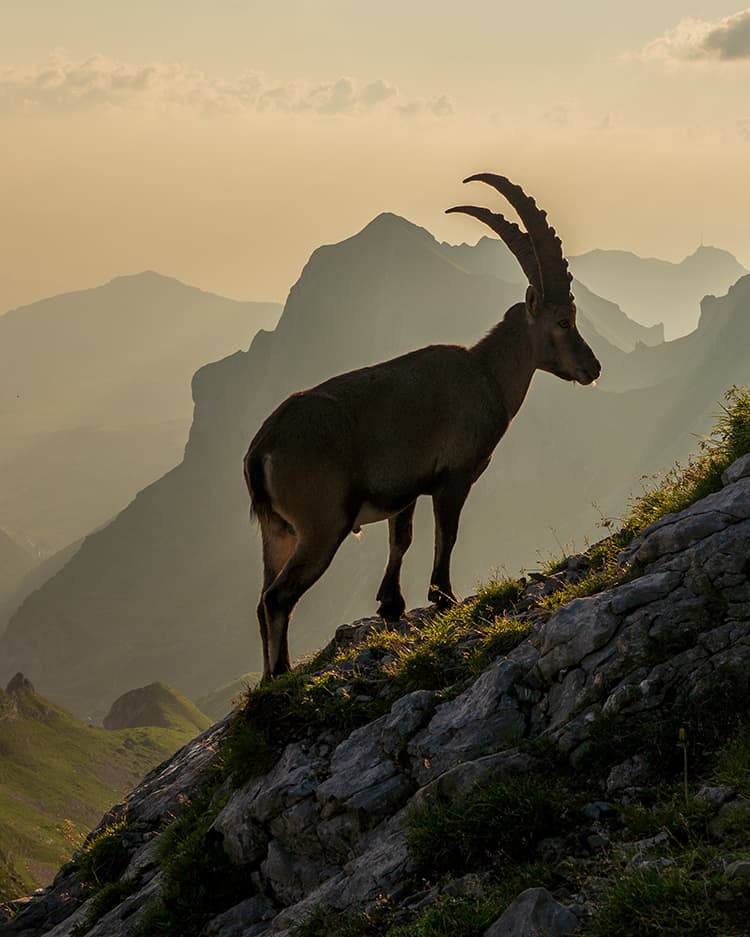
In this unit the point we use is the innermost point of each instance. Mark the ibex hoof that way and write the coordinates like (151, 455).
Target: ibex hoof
(391, 611)
(441, 598)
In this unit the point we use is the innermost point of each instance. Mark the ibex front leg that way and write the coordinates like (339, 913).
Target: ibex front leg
(389, 595)
(447, 502)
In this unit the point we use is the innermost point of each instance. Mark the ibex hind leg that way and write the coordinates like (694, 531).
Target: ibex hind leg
(312, 555)
(279, 543)
(389, 595)
(447, 503)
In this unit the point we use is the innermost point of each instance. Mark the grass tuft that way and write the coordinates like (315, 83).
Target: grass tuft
(671, 902)
(104, 858)
(458, 643)
(496, 823)
(734, 763)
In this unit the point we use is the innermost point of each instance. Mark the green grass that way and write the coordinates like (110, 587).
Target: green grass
(495, 824)
(199, 879)
(734, 763)
(58, 777)
(677, 901)
(104, 858)
(11, 882)
(684, 822)
(433, 659)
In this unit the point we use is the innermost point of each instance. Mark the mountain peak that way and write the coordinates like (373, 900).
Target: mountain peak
(155, 705)
(388, 222)
(707, 253)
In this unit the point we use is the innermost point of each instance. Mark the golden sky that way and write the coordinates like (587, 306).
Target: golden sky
(222, 142)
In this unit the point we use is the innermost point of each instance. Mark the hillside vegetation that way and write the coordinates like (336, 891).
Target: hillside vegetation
(156, 705)
(57, 777)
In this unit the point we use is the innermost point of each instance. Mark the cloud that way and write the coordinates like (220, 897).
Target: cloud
(695, 40)
(439, 107)
(63, 84)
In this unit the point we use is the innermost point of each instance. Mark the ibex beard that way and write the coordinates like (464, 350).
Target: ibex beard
(363, 446)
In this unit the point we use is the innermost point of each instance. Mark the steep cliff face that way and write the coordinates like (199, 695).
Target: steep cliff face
(336, 802)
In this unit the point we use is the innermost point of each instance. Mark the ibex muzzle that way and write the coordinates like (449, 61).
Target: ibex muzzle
(364, 446)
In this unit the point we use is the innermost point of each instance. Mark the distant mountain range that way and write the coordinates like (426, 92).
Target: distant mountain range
(95, 403)
(167, 591)
(95, 396)
(654, 291)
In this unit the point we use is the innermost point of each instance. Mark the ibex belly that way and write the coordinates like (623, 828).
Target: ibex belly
(369, 514)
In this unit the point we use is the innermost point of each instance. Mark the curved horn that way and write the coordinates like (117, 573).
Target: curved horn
(517, 240)
(553, 267)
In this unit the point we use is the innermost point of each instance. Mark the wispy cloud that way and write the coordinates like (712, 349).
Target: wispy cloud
(64, 84)
(695, 40)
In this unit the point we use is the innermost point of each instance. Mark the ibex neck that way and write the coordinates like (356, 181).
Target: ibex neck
(507, 356)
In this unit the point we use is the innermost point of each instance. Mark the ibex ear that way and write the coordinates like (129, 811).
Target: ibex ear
(534, 301)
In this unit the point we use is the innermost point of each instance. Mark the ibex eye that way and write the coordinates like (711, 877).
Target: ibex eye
(564, 323)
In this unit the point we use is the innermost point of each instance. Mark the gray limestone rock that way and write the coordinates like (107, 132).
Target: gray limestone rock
(737, 470)
(485, 718)
(241, 919)
(738, 871)
(534, 913)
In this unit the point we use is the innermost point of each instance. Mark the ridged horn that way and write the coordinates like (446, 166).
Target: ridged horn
(547, 246)
(517, 240)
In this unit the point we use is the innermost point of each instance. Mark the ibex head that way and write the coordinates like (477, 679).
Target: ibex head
(550, 307)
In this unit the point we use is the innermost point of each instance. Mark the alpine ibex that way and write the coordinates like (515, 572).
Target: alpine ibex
(362, 447)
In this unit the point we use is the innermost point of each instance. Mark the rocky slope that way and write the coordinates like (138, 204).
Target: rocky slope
(167, 591)
(392, 743)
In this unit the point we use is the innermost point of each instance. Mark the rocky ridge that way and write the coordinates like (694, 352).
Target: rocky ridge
(327, 825)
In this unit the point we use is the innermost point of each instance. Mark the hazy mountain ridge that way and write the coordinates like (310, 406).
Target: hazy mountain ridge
(94, 395)
(16, 561)
(32, 580)
(168, 590)
(490, 256)
(655, 291)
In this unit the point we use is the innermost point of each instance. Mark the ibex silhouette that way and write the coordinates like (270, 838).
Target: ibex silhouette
(362, 447)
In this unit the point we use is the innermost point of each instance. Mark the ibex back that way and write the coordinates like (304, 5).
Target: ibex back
(362, 447)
